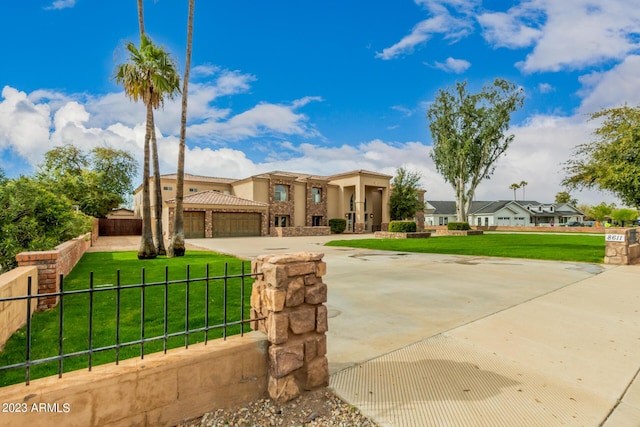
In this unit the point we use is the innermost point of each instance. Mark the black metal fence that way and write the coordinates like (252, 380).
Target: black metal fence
(107, 322)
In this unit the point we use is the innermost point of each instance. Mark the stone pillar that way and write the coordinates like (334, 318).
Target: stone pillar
(622, 246)
(289, 296)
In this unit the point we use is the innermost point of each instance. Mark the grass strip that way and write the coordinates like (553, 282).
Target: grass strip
(104, 265)
(566, 247)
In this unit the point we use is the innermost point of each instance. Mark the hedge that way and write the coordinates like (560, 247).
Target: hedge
(402, 227)
(337, 225)
(458, 226)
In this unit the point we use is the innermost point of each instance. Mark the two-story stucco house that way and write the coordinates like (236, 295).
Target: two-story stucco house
(276, 203)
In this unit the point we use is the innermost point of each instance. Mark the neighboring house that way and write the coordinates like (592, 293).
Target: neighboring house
(260, 204)
(121, 213)
(504, 213)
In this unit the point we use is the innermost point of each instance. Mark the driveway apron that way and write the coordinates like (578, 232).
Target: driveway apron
(441, 340)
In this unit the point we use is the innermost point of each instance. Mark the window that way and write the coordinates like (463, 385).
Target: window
(281, 221)
(351, 208)
(193, 190)
(280, 193)
(316, 221)
(167, 188)
(316, 195)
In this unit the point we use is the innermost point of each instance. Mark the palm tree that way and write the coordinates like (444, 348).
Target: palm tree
(514, 187)
(141, 17)
(177, 246)
(523, 184)
(159, 232)
(149, 75)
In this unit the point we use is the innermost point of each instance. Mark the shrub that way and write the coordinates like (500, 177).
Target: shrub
(458, 226)
(402, 227)
(337, 225)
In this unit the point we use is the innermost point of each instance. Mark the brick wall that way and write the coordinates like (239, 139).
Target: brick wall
(51, 264)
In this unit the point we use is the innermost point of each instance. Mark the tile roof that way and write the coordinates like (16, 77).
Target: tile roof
(202, 178)
(213, 197)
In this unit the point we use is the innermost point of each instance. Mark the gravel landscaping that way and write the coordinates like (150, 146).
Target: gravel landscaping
(312, 409)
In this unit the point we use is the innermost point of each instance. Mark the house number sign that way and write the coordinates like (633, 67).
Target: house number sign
(614, 238)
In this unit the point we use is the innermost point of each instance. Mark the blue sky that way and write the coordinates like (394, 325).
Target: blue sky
(319, 87)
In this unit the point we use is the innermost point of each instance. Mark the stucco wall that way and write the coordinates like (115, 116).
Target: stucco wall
(160, 390)
(13, 314)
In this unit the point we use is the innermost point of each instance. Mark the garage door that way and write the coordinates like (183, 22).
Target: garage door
(193, 225)
(235, 224)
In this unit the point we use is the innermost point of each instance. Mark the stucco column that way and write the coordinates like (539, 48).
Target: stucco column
(385, 209)
(359, 206)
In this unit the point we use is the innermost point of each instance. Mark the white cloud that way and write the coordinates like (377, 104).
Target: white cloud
(513, 29)
(407, 112)
(24, 125)
(612, 88)
(581, 33)
(452, 65)
(61, 4)
(546, 88)
(567, 34)
(442, 21)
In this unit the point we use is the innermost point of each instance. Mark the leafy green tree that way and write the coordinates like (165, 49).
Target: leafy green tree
(565, 197)
(612, 160)
(404, 200)
(150, 75)
(602, 211)
(33, 218)
(96, 182)
(623, 215)
(468, 131)
(585, 209)
(177, 245)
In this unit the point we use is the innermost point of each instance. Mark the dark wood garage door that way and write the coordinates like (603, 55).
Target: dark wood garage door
(233, 224)
(193, 225)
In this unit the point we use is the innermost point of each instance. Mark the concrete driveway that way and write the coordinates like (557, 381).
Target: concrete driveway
(440, 340)
(380, 301)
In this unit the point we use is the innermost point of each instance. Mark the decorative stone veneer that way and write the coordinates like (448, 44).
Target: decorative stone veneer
(459, 232)
(395, 235)
(51, 264)
(624, 251)
(300, 231)
(316, 209)
(289, 296)
(282, 208)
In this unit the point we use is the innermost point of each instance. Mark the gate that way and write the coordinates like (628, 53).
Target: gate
(120, 227)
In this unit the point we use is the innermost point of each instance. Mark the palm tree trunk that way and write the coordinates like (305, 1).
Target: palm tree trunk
(177, 245)
(159, 232)
(141, 17)
(147, 249)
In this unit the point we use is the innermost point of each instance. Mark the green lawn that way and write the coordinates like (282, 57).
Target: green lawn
(45, 325)
(566, 247)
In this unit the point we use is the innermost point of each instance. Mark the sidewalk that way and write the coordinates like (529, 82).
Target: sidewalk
(561, 359)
